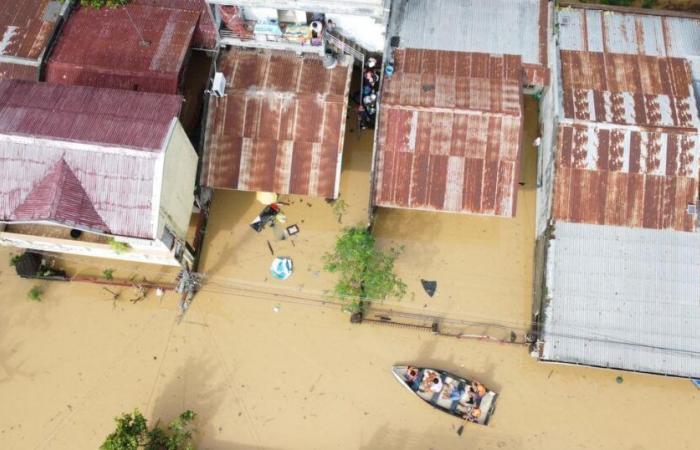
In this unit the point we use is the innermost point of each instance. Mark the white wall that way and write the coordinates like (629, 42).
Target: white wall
(152, 252)
(373, 8)
(364, 30)
(260, 14)
(177, 192)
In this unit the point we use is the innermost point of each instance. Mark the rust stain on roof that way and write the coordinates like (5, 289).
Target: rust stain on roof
(25, 29)
(280, 126)
(628, 146)
(449, 133)
(104, 48)
(647, 91)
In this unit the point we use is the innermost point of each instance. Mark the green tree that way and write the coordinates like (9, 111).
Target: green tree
(132, 433)
(366, 273)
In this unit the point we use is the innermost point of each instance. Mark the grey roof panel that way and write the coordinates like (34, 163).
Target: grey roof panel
(623, 298)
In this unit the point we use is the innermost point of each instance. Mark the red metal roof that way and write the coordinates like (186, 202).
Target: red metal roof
(449, 133)
(103, 48)
(82, 157)
(25, 29)
(59, 197)
(107, 117)
(629, 150)
(280, 126)
(205, 35)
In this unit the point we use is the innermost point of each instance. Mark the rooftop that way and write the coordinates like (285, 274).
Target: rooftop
(153, 44)
(449, 136)
(494, 26)
(26, 27)
(280, 127)
(650, 33)
(81, 157)
(628, 143)
(623, 298)
(205, 35)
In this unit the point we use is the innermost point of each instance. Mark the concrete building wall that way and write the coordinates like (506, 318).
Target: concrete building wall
(364, 30)
(153, 252)
(378, 9)
(179, 173)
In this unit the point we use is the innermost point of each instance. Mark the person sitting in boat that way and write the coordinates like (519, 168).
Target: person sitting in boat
(477, 392)
(411, 374)
(431, 382)
(473, 415)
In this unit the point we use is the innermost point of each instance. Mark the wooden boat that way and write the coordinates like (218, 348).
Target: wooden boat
(457, 396)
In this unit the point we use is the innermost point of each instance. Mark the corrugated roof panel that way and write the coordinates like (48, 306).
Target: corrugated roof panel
(594, 164)
(492, 27)
(623, 298)
(86, 114)
(594, 32)
(26, 27)
(153, 44)
(280, 126)
(629, 33)
(457, 150)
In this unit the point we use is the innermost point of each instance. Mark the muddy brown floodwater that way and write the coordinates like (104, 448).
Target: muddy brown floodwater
(267, 365)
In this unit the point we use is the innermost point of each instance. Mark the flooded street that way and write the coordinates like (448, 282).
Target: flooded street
(302, 377)
(483, 265)
(271, 364)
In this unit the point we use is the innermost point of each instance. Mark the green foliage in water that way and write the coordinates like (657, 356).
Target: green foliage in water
(366, 273)
(132, 433)
(35, 294)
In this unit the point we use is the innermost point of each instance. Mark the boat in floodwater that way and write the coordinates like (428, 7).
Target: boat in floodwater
(460, 397)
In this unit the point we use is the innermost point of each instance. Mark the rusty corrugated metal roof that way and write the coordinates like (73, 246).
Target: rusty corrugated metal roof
(82, 157)
(647, 91)
(449, 133)
(107, 117)
(613, 176)
(280, 126)
(628, 144)
(205, 35)
(26, 26)
(104, 48)
(506, 27)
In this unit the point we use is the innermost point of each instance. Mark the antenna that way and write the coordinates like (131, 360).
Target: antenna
(144, 42)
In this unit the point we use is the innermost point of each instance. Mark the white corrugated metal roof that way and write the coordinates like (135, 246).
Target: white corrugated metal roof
(623, 298)
(493, 26)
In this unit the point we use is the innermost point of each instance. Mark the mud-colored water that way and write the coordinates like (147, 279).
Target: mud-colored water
(266, 369)
(302, 377)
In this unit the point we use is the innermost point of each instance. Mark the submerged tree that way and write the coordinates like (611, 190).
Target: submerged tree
(132, 433)
(366, 273)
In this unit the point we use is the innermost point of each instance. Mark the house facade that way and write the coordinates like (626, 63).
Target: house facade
(96, 172)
